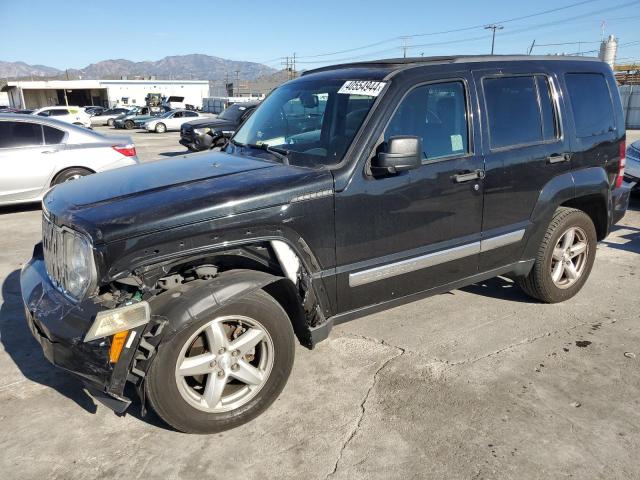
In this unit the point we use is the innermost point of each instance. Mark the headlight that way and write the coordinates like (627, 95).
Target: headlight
(79, 267)
(202, 131)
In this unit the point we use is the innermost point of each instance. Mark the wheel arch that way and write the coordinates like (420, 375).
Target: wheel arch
(586, 189)
(66, 169)
(188, 303)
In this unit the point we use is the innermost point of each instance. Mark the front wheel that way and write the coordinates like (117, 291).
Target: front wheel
(129, 125)
(223, 370)
(161, 128)
(564, 259)
(110, 122)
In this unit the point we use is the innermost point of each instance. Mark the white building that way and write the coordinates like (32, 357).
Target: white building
(107, 93)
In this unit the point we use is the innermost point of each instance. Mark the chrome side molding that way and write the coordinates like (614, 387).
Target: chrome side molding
(436, 258)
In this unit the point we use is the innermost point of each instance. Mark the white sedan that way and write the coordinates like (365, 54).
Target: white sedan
(74, 115)
(170, 121)
(37, 153)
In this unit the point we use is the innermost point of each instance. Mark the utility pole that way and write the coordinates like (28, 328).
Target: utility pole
(533, 44)
(293, 73)
(493, 37)
(237, 83)
(405, 46)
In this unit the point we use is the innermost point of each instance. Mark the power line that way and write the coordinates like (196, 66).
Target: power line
(456, 30)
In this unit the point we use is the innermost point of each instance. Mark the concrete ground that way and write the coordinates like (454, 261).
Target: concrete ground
(477, 383)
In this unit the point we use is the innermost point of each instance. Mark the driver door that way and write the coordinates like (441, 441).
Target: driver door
(404, 233)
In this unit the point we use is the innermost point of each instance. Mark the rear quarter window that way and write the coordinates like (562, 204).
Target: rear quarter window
(52, 136)
(590, 103)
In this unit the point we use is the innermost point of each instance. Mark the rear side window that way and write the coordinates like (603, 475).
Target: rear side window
(20, 134)
(58, 112)
(52, 136)
(437, 113)
(514, 114)
(550, 128)
(590, 103)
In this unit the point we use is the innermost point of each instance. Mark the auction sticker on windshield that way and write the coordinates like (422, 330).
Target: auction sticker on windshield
(362, 87)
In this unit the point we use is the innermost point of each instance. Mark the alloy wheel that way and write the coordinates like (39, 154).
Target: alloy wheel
(569, 257)
(224, 364)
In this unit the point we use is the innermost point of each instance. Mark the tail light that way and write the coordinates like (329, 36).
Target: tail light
(128, 150)
(623, 161)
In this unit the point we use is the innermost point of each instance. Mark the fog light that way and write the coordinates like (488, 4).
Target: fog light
(117, 342)
(110, 322)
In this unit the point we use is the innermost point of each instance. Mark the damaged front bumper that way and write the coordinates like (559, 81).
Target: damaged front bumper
(60, 325)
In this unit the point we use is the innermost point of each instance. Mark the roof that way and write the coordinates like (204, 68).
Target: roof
(398, 63)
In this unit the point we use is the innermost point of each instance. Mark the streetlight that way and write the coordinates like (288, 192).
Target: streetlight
(493, 38)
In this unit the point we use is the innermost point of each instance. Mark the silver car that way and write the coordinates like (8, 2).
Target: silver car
(37, 153)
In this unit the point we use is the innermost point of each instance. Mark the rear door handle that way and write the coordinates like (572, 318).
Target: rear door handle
(468, 176)
(50, 151)
(565, 157)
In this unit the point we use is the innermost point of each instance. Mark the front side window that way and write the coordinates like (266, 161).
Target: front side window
(20, 134)
(591, 103)
(58, 112)
(315, 121)
(436, 113)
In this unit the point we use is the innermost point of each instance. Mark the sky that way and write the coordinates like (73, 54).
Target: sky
(74, 34)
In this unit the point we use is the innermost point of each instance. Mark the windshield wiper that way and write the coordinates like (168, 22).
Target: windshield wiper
(279, 153)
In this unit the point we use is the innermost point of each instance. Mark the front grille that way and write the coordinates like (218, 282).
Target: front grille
(52, 245)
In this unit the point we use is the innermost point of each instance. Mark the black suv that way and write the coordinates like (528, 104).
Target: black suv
(349, 190)
(206, 133)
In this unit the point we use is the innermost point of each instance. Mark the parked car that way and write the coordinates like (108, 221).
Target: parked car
(94, 110)
(108, 116)
(191, 278)
(632, 168)
(170, 121)
(37, 153)
(74, 115)
(139, 117)
(205, 133)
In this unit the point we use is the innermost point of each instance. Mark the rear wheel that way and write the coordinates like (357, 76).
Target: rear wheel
(70, 174)
(110, 122)
(129, 125)
(161, 128)
(223, 370)
(565, 257)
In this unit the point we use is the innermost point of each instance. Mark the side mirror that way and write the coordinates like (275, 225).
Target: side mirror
(402, 153)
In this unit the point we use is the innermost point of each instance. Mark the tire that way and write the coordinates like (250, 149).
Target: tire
(552, 279)
(70, 174)
(161, 128)
(129, 125)
(110, 122)
(179, 399)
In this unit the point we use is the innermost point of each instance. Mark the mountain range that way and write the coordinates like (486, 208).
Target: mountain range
(177, 67)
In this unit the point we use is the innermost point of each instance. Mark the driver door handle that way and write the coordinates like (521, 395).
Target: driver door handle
(468, 176)
(565, 157)
(50, 151)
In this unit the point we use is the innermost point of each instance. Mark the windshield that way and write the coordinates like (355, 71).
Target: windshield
(315, 121)
(166, 114)
(232, 113)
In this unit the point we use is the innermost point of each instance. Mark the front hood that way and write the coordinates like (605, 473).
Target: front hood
(209, 122)
(164, 194)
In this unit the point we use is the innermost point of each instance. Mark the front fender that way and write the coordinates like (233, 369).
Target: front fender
(192, 302)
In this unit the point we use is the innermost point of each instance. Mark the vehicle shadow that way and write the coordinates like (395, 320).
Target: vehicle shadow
(25, 352)
(499, 287)
(23, 207)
